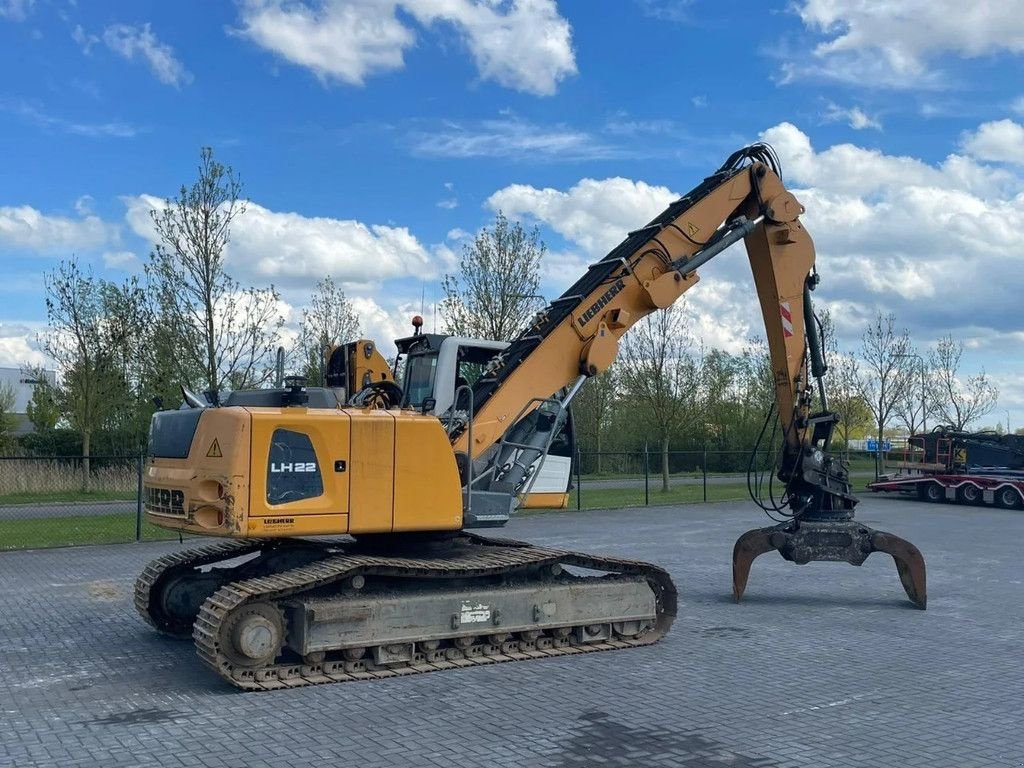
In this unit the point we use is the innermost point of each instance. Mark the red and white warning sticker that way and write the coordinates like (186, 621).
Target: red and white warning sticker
(787, 319)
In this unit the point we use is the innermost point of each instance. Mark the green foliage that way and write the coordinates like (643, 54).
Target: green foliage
(494, 293)
(42, 410)
(8, 420)
(222, 335)
(329, 320)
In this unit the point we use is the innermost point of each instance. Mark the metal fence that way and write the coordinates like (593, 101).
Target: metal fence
(51, 502)
(59, 501)
(638, 478)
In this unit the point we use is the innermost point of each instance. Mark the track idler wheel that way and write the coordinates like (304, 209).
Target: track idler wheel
(253, 635)
(830, 540)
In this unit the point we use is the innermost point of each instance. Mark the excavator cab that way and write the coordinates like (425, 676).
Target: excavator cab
(437, 376)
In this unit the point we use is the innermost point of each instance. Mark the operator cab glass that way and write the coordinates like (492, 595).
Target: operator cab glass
(418, 383)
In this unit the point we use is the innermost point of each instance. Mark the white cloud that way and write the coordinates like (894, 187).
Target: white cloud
(855, 117)
(893, 44)
(595, 214)
(15, 10)
(1018, 105)
(292, 249)
(33, 114)
(699, 101)
(448, 203)
(337, 41)
(1001, 141)
(666, 10)
(84, 39)
(18, 345)
(120, 260)
(511, 138)
(525, 45)
(938, 244)
(28, 228)
(128, 41)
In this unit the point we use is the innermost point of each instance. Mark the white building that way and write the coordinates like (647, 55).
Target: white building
(22, 384)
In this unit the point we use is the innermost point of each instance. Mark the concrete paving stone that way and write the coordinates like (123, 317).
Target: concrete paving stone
(823, 665)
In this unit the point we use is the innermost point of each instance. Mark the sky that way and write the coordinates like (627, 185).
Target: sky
(375, 137)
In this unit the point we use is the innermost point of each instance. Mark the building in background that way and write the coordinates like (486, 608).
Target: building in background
(22, 383)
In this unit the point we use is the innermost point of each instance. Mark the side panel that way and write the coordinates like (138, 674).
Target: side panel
(276, 461)
(550, 489)
(372, 471)
(428, 493)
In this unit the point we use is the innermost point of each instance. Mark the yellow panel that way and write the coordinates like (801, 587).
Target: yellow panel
(197, 478)
(372, 471)
(544, 501)
(297, 525)
(428, 494)
(328, 430)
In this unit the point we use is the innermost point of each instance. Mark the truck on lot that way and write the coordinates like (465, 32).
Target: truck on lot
(954, 466)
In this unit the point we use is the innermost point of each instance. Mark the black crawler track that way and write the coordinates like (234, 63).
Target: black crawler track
(475, 557)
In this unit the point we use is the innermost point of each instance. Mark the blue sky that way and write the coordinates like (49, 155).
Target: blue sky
(372, 136)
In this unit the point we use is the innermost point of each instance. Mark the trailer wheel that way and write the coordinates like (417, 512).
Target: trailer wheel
(1008, 498)
(969, 494)
(932, 492)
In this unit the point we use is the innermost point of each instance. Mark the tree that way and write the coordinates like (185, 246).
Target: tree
(42, 409)
(914, 408)
(887, 370)
(226, 332)
(8, 421)
(89, 331)
(661, 378)
(592, 408)
(495, 292)
(959, 402)
(842, 385)
(329, 320)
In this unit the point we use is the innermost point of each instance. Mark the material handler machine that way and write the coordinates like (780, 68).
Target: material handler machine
(404, 475)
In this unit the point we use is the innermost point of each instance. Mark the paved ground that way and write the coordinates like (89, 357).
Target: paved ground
(822, 665)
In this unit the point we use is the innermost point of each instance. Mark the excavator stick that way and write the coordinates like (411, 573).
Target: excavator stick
(803, 541)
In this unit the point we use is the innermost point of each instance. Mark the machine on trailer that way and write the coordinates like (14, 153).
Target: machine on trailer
(404, 475)
(950, 465)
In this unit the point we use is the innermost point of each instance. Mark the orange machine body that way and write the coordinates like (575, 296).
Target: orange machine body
(294, 471)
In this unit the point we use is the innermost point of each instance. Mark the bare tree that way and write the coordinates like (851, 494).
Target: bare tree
(88, 331)
(843, 383)
(227, 332)
(661, 377)
(959, 402)
(886, 372)
(914, 408)
(495, 292)
(329, 320)
(592, 409)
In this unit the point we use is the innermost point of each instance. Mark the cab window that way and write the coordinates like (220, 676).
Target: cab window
(293, 472)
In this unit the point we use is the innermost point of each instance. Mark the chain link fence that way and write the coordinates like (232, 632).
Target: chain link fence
(62, 501)
(640, 478)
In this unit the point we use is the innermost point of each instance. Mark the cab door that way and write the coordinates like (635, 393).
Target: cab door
(300, 478)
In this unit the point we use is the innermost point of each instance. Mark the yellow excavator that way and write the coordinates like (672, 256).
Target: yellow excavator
(344, 509)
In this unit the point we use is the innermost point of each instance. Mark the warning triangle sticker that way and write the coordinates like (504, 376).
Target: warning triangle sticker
(214, 452)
